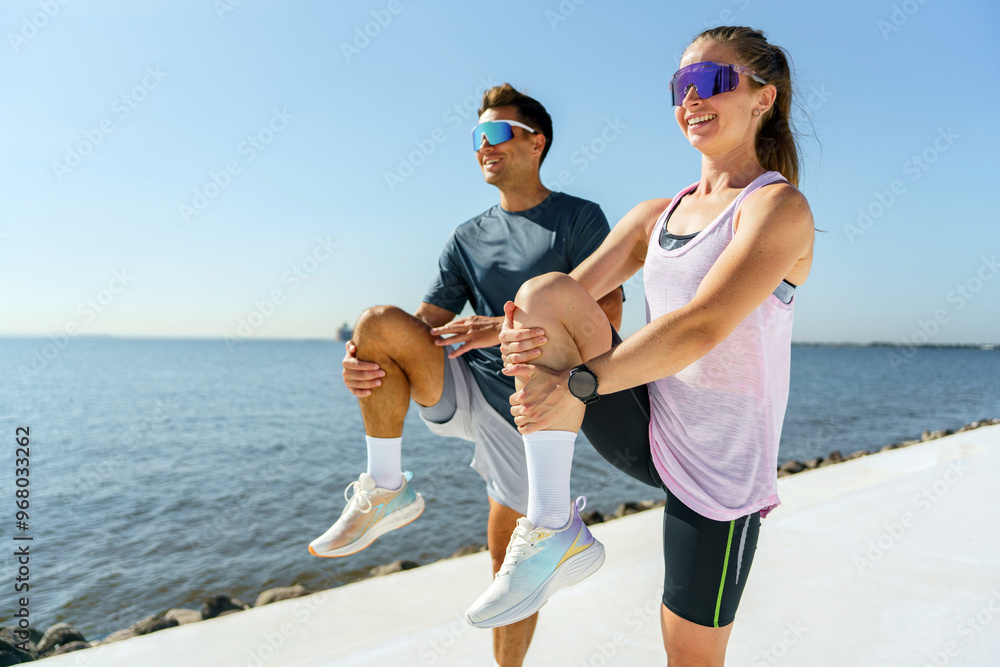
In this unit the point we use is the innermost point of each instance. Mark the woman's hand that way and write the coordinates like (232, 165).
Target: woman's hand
(544, 401)
(519, 346)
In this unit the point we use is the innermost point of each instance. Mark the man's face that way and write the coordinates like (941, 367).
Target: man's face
(506, 164)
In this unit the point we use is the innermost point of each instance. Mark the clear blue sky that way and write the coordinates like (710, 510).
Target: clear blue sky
(117, 115)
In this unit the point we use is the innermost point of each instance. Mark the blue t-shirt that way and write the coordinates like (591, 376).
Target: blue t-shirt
(486, 259)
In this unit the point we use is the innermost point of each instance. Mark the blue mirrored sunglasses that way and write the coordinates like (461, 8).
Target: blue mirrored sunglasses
(708, 78)
(496, 132)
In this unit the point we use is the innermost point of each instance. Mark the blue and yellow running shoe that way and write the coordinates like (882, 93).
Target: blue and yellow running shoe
(371, 512)
(538, 563)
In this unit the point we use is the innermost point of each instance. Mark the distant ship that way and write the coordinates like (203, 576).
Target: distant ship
(345, 332)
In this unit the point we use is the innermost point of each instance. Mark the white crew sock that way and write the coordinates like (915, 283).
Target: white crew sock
(385, 461)
(550, 461)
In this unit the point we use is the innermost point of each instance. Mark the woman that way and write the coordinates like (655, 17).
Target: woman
(693, 402)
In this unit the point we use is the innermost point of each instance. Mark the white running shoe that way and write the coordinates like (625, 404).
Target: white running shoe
(370, 513)
(538, 563)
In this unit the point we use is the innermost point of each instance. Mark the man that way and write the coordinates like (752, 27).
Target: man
(395, 356)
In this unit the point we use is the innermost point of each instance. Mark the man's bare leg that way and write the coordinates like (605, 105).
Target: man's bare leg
(510, 642)
(403, 347)
(414, 367)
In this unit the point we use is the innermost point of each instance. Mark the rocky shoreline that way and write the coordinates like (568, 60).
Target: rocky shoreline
(63, 638)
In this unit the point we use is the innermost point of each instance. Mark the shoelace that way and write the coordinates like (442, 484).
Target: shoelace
(358, 494)
(522, 542)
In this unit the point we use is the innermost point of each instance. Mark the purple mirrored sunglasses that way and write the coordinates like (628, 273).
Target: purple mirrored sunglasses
(708, 78)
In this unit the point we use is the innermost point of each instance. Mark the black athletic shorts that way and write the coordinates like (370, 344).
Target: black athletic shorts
(706, 562)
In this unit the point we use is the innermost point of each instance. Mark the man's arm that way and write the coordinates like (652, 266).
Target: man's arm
(433, 316)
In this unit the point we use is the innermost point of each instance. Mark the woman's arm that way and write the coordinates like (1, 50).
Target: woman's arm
(773, 237)
(623, 251)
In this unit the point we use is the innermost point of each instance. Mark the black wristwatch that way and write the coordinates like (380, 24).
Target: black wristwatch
(583, 384)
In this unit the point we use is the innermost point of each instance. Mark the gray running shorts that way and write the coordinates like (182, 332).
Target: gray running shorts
(464, 413)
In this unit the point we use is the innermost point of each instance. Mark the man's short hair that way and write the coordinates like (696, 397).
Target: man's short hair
(530, 110)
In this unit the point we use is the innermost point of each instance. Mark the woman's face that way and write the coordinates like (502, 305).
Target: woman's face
(722, 122)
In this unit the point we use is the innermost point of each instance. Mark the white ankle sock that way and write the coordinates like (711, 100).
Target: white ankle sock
(550, 461)
(385, 461)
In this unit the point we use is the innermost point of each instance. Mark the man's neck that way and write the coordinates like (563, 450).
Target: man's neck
(524, 197)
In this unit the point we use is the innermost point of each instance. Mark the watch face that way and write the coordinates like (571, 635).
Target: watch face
(582, 384)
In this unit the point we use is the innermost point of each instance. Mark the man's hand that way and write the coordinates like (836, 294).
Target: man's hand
(519, 346)
(360, 376)
(472, 332)
(543, 400)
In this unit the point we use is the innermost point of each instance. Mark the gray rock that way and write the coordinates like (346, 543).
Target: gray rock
(69, 648)
(393, 567)
(280, 593)
(592, 517)
(934, 435)
(792, 466)
(7, 637)
(183, 616)
(118, 635)
(57, 635)
(11, 655)
(858, 454)
(229, 612)
(217, 604)
(154, 623)
(783, 473)
(634, 507)
(813, 463)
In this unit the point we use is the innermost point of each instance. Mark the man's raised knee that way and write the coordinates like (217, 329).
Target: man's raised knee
(386, 324)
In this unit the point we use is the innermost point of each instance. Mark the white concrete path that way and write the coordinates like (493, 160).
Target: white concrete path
(891, 559)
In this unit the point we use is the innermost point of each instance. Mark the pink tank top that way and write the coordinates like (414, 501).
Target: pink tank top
(715, 426)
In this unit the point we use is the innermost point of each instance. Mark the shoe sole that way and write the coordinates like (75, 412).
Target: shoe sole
(397, 519)
(573, 571)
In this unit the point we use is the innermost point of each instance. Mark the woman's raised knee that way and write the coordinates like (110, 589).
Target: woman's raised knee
(548, 290)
